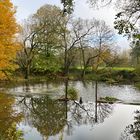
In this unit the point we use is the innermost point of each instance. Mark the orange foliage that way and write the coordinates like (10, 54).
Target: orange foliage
(8, 30)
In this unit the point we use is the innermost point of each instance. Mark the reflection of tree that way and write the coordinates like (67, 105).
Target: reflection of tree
(103, 111)
(47, 115)
(52, 117)
(85, 113)
(132, 130)
(9, 119)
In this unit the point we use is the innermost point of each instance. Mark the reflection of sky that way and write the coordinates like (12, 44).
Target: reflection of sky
(30, 133)
(82, 9)
(126, 93)
(111, 129)
(113, 126)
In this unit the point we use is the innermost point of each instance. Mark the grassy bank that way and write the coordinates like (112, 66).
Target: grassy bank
(105, 74)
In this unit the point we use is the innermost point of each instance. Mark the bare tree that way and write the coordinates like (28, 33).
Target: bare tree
(77, 30)
(27, 38)
(98, 44)
(102, 39)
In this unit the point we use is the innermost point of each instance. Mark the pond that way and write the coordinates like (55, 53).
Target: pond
(33, 112)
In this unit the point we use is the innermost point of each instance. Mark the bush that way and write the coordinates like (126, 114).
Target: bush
(137, 70)
(72, 93)
(137, 85)
(108, 99)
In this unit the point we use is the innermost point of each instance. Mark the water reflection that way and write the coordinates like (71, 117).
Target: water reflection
(47, 115)
(93, 111)
(50, 118)
(85, 112)
(9, 118)
(126, 93)
(56, 117)
(132, 131)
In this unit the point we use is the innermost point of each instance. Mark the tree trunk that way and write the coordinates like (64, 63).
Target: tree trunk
(84, 62)
(84, 66)
(96, 115)
(83, 72)
(66, 89)
(66, 62)
(27, 72)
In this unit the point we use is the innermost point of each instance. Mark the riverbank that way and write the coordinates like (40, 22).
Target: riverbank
(115, 75)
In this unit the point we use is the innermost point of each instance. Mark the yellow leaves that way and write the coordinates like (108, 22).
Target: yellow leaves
(8, 30)
(8, 26)
(105, 53)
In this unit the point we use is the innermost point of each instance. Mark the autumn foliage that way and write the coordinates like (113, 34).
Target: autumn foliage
(8, 45)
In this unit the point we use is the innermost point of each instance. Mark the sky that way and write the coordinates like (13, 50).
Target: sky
(82, 9)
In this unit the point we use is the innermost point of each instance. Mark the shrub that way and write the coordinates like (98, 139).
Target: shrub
(108, 99)
(72, 93)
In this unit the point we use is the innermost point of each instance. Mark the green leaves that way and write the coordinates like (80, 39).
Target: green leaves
(123, 27)
(42, 63)
(127, 21)
(137, 36)
(68, 6)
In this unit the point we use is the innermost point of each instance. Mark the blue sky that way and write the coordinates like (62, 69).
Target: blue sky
(82, 9)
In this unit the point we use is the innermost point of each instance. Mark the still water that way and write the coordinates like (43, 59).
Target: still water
(33, 112)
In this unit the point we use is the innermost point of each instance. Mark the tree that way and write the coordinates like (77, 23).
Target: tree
(40, 37)
(88, 55)
(51, 19)
(100, 41)
(29, 45)
(127, 23)
(99, 3)
(103, 38)
(68, 5)
(136, 50)
(127, 19)
(115, 59)
(77, 30)
(8, 46)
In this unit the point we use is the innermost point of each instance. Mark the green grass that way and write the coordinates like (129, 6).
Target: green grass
(123, 68)
(117, 68)
(107, 68)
